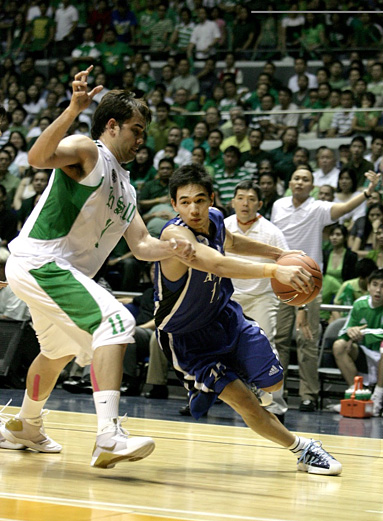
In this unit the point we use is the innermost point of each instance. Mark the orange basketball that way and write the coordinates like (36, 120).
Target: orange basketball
(289, 295)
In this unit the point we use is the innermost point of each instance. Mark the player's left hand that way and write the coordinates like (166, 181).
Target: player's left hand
(182, 248)
(81, 98)
(3, 284)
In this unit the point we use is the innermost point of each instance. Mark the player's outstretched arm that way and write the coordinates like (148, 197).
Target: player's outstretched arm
(48, 152)
(211, 261)
(243, 245)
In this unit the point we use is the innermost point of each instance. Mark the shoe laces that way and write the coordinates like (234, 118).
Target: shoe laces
(3, 416)
(117, 425)
(314, 452)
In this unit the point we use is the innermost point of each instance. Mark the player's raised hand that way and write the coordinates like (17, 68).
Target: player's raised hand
(81, 97)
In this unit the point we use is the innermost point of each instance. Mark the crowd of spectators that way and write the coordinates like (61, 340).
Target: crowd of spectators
(185, 58)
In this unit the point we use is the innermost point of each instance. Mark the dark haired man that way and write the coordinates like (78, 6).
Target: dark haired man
(216, 352)
(87, 207)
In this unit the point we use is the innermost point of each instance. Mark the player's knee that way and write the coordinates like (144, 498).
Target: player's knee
(339, 347)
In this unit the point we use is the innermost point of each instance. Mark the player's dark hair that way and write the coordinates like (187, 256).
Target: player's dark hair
(121, 106)
(190, 175)
(376, 275)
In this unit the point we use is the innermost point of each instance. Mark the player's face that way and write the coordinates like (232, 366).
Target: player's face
(128, 138)
(193, 204)
(246, 204)
(375, 289)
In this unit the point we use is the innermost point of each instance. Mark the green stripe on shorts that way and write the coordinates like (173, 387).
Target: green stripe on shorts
(70, 295)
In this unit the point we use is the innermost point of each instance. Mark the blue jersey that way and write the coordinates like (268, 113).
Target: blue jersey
(197, 298)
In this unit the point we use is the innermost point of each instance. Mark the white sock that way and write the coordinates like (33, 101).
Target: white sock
(107, 405)
(299, 444)
(31, 408)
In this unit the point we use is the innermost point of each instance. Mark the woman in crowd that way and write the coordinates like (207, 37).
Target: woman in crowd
(377, 253)
(338, 264)
(141, 168)
(17, 139)
(365, 122)
(346, 190)
(364, 238)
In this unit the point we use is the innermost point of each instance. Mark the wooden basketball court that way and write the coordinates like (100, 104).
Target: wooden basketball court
(197, 472)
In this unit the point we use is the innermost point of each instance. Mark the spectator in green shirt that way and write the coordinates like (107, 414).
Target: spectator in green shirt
(158, 130)
(113, 55)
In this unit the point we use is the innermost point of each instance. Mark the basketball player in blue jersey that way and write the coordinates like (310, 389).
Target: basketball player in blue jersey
(88, 205)
(215, 351)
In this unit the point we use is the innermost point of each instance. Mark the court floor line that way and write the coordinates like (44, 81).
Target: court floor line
(137, 509)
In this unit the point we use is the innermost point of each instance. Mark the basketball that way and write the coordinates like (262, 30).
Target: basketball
(289, 295)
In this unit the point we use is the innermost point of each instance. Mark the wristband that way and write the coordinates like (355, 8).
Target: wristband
(366, 195)
(269, 270)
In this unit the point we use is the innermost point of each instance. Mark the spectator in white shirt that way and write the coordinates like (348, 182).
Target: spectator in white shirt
(183, 157)
(327, 173)
(205, 37)
(300, 67)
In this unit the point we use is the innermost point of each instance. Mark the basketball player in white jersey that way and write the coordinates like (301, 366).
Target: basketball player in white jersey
(87, 207)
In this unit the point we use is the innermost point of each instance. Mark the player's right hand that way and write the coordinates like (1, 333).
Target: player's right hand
(296, 277)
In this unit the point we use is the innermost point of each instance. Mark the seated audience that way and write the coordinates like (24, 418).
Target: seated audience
(198, 137)
(364, 232)
(346, 190)
(239, 138)
(39, 183)
(268, 186)
(341, 125)
(377, 253)
(357, 350)
(227, 178)
(251, 159)
(141, 169)
(183, 156)
(327, 173)
(338, 264)
(214, 156)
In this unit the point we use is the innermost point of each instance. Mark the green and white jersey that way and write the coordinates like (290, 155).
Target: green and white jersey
(363, 313)
(79, 223)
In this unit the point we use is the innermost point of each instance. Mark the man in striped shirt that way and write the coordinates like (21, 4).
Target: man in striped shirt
(227, 178)
(341, 122)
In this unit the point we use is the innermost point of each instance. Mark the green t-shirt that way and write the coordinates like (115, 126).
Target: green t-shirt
(40, 30)
(349, 291)
(363, 313)
(112, 56)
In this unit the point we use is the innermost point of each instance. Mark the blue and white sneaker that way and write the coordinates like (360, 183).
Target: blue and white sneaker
(315, 460)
